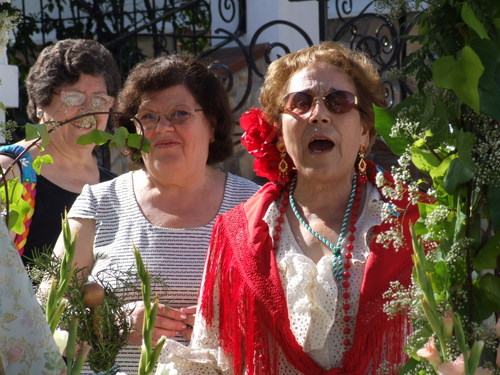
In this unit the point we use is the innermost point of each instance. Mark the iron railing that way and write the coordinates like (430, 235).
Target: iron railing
(136, 29)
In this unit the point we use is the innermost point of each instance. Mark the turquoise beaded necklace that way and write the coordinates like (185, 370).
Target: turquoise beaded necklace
(337, 256)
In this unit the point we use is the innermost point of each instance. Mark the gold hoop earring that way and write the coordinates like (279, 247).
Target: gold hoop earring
(283, 165)
(362, 164)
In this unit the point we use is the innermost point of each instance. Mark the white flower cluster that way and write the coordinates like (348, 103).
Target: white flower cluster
(405, 124)
(455, 256)
(486, 154)
(388, 368)
(433, 221)
(390, 213)
(402, 300)
(8, 20)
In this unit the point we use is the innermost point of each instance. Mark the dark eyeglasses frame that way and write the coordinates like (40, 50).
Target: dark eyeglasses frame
(190, 110)
(333, 109)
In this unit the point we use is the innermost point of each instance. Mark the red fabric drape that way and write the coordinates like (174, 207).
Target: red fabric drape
(253, 315)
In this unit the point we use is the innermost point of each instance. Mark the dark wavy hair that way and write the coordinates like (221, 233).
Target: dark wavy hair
(160, 73)
(62, 64)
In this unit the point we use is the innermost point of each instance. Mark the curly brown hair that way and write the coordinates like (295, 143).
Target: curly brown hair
(160, 73)
(356, 64)
(62, 64)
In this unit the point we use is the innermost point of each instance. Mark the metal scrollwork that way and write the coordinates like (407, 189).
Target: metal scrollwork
(228, 6)
(186, 26)
(224, 74)
(374, 34)
(272, 48)
(343, 8)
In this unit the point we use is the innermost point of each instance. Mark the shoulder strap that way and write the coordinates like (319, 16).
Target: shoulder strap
(28, 179)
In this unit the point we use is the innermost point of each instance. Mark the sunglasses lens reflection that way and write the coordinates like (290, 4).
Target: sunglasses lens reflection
(337, 102)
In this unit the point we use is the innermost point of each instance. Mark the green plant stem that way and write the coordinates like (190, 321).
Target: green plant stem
(70, 346)
(468, 263)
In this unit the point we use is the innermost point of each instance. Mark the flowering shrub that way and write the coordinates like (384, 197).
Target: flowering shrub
(449, 129)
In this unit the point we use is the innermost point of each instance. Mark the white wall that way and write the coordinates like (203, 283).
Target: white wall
(259, 12)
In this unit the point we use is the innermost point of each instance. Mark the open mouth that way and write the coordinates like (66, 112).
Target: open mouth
(320, 145)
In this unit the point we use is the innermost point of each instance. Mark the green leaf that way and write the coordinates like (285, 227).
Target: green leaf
(136, 141)
(440, 170)
(488, 254)
(95, 136)
(475, 356)
(439, 124)
(460, 218)
(408, 366)
(470, 19)
(489, 84)
(14, 222)
(120, 136)
(482, 304)
(19, 211)
(34, 131)
(460, 75)
(423, 159)
(465, 144)
(490, 284)
(460, 335)
(440, 278)
(494, 206)
(3, 107)
(384, 121)
(40, 160)
(425, 209)
(456, 175)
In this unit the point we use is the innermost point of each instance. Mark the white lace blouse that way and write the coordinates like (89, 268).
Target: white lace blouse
(312, 296)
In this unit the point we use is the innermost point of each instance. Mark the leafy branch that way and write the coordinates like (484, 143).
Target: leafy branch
(449, 129)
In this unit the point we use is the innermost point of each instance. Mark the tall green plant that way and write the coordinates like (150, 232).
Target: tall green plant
(449, 129)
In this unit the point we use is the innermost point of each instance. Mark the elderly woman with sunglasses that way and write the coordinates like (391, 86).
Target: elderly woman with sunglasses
(295, 277)
(167, 206)
(68, 79)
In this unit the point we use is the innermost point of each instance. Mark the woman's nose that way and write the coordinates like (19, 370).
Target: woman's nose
(319, 113)
(164, 123)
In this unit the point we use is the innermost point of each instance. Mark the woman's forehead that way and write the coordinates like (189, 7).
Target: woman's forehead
(320, 78)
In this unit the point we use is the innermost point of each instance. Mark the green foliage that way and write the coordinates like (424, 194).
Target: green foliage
(149, 353)
(450, 129)
(120, 138)
(11, 191)
(460, 75)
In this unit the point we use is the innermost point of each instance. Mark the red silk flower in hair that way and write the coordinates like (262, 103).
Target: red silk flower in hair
(260, 139)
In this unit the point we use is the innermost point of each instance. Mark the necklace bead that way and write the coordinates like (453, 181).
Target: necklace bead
(341, 268)
(337, 256)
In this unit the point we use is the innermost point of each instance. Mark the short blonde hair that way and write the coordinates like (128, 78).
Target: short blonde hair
(357, 65)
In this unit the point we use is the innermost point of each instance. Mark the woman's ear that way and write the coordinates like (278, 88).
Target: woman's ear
(365, 135)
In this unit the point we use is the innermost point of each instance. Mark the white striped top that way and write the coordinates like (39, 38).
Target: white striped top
(176, 255)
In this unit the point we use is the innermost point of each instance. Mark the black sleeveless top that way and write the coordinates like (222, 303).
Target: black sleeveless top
(50, 203)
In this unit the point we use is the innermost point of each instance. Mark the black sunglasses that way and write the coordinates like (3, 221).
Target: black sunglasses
(337, 102)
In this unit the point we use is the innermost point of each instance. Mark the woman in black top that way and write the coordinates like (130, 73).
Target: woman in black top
(69, 78)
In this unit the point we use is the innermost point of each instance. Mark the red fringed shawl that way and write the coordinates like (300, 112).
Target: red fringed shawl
(253, 315)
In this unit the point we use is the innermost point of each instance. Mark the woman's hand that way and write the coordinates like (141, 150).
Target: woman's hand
(189, 321)
(169, 322)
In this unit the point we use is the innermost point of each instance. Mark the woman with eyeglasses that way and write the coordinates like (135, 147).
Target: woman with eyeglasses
(295, 277)
(167, 205)
(69, 79)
